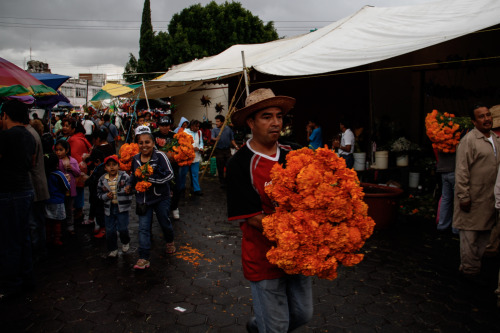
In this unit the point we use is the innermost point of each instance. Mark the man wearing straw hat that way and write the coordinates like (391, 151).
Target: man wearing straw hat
(281, 302)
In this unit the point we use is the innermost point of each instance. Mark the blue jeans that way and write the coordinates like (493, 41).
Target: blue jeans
(281, 305)
(37, 228)
(195, 170)
(79, 200)
(16, 265)
(162, 211)
(349, 160)
(116, 221)
(447, 195)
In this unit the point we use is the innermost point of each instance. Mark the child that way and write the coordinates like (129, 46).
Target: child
(111, 189)
(96, 210)
(69, 166)
(155, 198)
(58, 186)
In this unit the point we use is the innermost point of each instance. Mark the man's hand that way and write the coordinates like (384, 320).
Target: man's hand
(127, 189)
(110, 195)
(465, 206)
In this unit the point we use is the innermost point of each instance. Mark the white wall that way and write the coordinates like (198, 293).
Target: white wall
(189, 105)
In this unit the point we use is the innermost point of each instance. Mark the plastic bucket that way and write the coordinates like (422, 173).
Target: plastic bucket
(382, 159)
(359, 161)
(414, 179)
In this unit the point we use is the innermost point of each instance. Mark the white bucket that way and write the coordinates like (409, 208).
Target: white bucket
(402, 160)
(359, 161)
(382, 159)
(414, 179)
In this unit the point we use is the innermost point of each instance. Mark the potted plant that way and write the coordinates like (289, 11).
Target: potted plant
(401, 147)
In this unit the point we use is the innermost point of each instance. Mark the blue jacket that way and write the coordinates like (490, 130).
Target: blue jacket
(58, 185)
(162, 174)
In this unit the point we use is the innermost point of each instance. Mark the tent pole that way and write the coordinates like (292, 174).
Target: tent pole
(245, 72)
(145, 94)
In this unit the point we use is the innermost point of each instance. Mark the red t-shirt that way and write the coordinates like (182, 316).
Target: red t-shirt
(247, 175)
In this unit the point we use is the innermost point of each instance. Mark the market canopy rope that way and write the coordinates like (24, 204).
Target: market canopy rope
(232, 108)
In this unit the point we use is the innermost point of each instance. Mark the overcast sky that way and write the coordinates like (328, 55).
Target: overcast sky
(96, 36)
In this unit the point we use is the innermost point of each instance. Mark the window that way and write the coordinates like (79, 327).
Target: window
(81, 92)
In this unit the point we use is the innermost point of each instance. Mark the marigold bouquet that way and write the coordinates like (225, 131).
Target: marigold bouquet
(182, 148)
(321, 219)
(444, 130)
(127, 151)
(143, 172)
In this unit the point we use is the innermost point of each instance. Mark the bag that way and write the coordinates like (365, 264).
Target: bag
(141, 209)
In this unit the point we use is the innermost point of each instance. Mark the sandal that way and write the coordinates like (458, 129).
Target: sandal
(171, 248)
(141, 264)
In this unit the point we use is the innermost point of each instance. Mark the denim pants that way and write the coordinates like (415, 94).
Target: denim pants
(162, 210)
(16, 265)
(349, 160)
(281, 305)
(446, 208)
(195, 170)
(37, 228)
(222, 156)
(116, 221)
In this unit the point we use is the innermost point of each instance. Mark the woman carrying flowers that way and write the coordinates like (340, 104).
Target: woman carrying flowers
(150, 174)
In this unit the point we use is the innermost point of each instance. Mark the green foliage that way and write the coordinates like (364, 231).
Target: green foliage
(130, 68)
(194, 33)
(198, 32)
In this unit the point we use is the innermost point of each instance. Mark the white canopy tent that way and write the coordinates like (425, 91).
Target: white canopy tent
(370, 35)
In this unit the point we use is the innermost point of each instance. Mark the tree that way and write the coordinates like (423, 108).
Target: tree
(131, 70)
(198, 32)
(194, 33)
(149, 58)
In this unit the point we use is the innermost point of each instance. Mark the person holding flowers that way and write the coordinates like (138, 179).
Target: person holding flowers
(150, 175)
(281, 302)
(163, 138)
(477, 160)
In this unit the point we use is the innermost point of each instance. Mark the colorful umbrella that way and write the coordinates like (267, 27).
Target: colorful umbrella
(14, 81)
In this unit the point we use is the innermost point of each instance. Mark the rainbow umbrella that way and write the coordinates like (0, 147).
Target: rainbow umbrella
(14, 81)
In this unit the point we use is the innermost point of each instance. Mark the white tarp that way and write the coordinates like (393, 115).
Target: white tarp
(370, 35)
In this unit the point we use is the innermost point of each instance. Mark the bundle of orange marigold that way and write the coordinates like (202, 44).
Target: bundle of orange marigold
(127, 151)
(143, 172)
(444, 130)
(321, 219)
(182, 148)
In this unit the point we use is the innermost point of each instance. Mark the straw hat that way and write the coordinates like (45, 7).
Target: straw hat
(495, 114)
(261, 99)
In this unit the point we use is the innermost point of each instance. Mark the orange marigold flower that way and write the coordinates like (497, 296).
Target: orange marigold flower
(321, 220)
(142, 186)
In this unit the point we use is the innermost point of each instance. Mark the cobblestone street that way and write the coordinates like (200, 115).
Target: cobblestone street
(408, 282)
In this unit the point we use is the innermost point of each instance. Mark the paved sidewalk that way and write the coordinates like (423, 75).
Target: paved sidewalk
(408, 282)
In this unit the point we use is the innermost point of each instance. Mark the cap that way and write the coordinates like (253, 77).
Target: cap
(111, 158)
(142, 130)
(165, 121)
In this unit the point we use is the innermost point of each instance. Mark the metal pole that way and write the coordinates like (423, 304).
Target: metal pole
(145, 94)
(245, 72)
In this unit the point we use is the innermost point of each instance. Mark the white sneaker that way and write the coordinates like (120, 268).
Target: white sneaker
(175, 214)
(125, 247)
(113, 254)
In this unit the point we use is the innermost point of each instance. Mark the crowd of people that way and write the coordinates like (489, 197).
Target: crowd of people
(47, 168)
(41, 198)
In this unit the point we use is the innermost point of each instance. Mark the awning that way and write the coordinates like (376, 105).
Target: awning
(370, 35)
(111, 90)
(52, 80)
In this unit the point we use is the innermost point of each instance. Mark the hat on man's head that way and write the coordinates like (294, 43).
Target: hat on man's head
(142, 130)
(111, 158)
(261, 99)
(165, 121)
